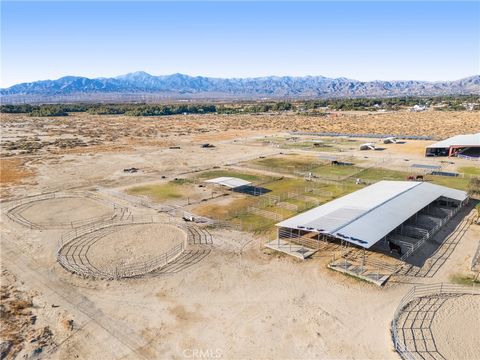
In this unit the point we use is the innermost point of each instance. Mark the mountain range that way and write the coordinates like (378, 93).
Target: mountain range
(143, 86)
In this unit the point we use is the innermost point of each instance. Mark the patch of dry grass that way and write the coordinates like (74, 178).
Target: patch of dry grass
(13, 171)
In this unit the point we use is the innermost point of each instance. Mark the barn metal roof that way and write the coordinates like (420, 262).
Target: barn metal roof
(459, 140)
(367, 215)
(230, 182)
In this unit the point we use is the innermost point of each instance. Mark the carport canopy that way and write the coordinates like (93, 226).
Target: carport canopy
(230, 182)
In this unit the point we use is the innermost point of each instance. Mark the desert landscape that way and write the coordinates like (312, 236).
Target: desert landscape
(99, 262)
(240, 180)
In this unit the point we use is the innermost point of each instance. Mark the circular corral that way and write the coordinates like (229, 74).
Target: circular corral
(456, 327)
(439, 325)
(63, 211)
(132, 244)
(122, 250)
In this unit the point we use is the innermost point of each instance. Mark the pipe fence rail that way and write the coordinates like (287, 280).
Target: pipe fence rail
(119, 271)
(475, 266)
(197, 234)
(265, 213)
(135, 200)
(432, 232)
(373, 136)
(14, 211)
(420, 291)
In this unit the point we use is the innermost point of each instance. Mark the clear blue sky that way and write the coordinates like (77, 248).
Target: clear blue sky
(360, 40)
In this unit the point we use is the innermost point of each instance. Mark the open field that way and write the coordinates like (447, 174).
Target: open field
(454, 317)
(470, 170)
(171, 190)
(81, 131)
(225, 293)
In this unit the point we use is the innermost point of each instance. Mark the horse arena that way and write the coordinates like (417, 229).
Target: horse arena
(438, 322)
(63, 210)
(159, 262)
(121, 249)
(105, 240)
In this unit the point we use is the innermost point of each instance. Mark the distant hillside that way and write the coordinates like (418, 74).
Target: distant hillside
(143, 86)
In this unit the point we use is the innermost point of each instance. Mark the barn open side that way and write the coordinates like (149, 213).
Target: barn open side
(467, 146)
(389, 217)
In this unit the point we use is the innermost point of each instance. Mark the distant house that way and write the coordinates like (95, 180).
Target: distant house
(418, 108)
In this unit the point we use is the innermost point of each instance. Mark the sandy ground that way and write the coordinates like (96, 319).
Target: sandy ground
(28, 323)
(456, 327)
(65, 210)
(241, 301)
(134, 243)
(238, 301)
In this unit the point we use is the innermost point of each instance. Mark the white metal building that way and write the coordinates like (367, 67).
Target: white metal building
(368, 215)
(455, 145)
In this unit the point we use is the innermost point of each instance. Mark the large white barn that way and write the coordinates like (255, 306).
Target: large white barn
(397, 212)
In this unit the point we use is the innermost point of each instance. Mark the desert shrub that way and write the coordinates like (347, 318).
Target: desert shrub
(16, 109)
(51, 110)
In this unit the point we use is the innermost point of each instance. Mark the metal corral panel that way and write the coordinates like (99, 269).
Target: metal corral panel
(459, 140)
(230, 182)
(367, 215)
(423, 166)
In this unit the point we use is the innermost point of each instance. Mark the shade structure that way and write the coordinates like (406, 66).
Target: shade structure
(366, 216)
(469, 140)
(230, 182)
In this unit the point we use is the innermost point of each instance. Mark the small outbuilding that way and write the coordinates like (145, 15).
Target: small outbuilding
(367, 146)
(230, 182)
(390, 140)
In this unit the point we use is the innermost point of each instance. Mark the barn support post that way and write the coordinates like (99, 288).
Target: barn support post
(363, 261)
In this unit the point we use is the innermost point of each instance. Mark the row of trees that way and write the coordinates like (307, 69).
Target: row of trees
(110, 109)
(162, 110)
(309, 106)
(44, 110)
